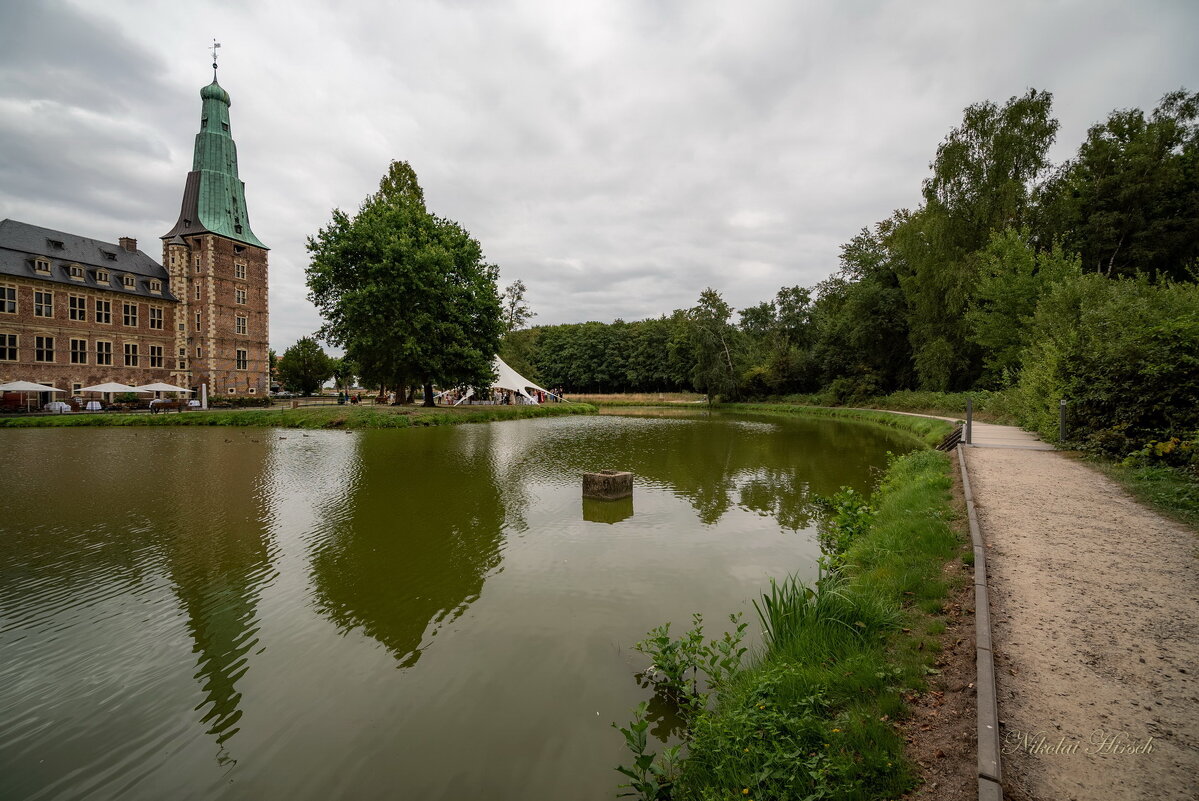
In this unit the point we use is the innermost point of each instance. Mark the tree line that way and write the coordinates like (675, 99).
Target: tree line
(1074, 281)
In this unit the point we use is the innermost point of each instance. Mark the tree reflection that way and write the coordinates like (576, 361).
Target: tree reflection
(411, 548)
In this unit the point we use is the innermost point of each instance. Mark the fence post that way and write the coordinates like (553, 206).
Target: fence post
(969, 418)
(1061, 421)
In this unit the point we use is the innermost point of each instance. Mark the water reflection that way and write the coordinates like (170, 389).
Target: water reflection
(596, 510)
(416, 537)
(218, 563)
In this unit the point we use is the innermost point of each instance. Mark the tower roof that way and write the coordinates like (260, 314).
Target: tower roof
(214, 197)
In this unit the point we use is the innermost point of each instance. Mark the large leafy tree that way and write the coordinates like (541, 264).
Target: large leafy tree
(1129, 201)
(304, 366)
(516, 311)
(982, 178)
(407, 294)
(715, 346)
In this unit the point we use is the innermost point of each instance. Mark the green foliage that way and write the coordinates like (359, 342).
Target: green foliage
(1012, 278)
(406, 293)
(651, 776)
(1128, 202)
(847, 516)
(304, 367)
(714, 345)
(515, 311)
(1123, 353)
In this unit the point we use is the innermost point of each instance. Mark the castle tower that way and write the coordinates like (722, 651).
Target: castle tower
(217, 267)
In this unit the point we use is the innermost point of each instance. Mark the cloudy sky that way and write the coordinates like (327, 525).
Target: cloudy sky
(618, 157)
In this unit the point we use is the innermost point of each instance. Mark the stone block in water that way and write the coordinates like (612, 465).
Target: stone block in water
(607, 485)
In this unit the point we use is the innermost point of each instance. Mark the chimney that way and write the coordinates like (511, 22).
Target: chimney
(129, 244)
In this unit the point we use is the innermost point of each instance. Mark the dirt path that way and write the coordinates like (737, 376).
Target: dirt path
(1095, 610)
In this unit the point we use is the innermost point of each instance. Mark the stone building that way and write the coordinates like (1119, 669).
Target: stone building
(76, 311)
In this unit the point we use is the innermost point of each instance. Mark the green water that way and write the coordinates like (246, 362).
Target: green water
(433, 614)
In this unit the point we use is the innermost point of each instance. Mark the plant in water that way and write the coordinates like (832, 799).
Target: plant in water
(651, 776)
(847, 516)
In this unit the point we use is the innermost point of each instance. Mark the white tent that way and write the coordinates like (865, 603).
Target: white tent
(507, 378)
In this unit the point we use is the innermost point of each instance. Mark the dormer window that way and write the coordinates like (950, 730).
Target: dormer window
(237, 228)
(101, 276)
(76, 272)
(110, 256)
(41, 265)
(128, 281)
(156, 286)
(55, 244)
(204, 122)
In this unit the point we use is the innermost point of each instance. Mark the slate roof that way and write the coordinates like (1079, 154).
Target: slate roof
(21, 242)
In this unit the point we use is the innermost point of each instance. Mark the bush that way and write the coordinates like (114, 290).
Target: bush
(1125, 356)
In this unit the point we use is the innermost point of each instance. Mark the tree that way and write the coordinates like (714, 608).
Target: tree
(344, 371)
(406, 293)
(516, 311)
(304, 366)
(1129, 201)
(981, 182)
(713, 341)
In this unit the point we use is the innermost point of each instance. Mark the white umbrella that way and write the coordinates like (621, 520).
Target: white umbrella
(27, 386)
(161, 387)
(113, 386)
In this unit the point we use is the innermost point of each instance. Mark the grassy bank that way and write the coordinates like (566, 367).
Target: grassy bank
(812, 715)
(927, 431)
(343, 417)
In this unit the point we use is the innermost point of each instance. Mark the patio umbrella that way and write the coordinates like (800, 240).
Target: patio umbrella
(161, 387)
(27, 386)
(113, 386)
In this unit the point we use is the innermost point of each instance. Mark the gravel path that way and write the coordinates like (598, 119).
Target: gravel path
(1095, 610)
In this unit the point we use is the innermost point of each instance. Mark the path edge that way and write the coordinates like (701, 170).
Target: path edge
(989, 770)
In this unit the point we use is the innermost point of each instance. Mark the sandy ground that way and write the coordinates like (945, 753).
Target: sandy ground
(1095, 609)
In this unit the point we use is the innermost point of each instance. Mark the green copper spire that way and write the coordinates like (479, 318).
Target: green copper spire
(219, 195)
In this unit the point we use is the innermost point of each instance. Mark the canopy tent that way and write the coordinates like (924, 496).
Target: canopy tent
(507, 378)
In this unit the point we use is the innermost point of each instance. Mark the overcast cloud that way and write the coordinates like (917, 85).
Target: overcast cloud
(616, 156)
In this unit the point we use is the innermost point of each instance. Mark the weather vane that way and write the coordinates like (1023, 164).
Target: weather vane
(215, 46)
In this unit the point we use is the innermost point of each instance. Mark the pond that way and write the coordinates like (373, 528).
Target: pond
(427, 613)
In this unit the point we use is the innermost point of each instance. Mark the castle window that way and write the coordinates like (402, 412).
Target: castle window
(78, 351)
(43, 349)
(8, 347)
(128, 281)
(43, 304)
(76, 387)
(242, 359)
(239, 271)
(231, 390)
(224, 126)
(76, 272)
(104, 353)
(77, 308)
(41, 265)
(237, 228)
(102, 276)
(156, 317)
(156, 286)
(8, 299)
(199, 352)
(129, 314)
(204, 122)
(156, 356)
(110, 255)
(197, 321)
(239, 295)
(131, 354)
(104, 311)
(241, 325)
(198, 267)
(238, 248)
(197, 291)
(252, 390)
(56, 244)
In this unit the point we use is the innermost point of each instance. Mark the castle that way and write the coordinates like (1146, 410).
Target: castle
(76, 311)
